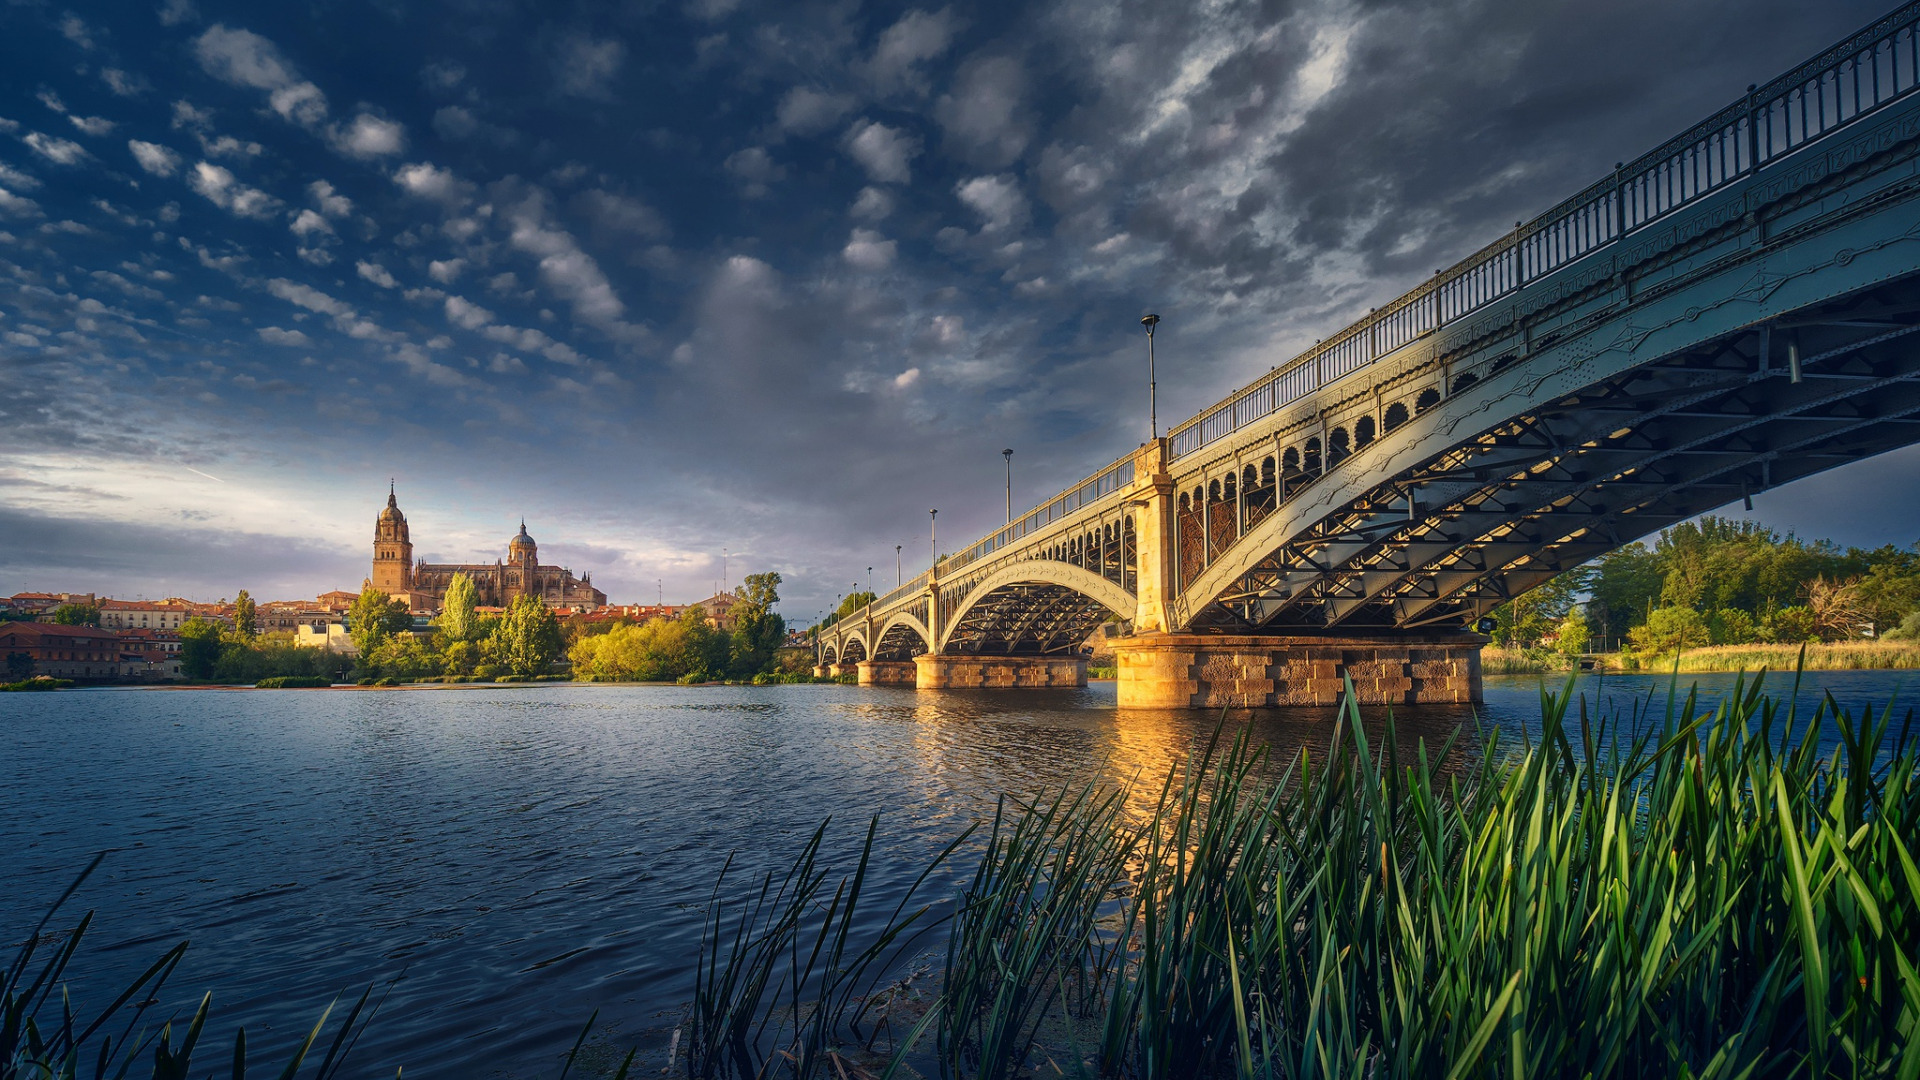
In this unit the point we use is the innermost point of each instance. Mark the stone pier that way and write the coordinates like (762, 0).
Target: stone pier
(837, 670)
(887, 673)
(968, 672)
(822, 671)
(1212, 671)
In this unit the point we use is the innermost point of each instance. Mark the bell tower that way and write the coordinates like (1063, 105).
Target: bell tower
(392, 549)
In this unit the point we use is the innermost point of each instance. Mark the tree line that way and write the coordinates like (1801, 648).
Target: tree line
(1720, 581)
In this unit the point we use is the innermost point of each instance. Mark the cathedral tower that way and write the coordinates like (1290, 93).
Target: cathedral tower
(392, 550)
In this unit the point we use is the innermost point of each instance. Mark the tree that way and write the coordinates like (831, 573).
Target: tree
(528, 636)
(1570, 639)
(20, 666)
(1669, 630)
(457, 620)
(375, 617)
(243, 614)
(757, 629)
(201, 646)
(76, 615)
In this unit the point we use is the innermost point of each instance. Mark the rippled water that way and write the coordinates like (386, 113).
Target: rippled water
(517, 857)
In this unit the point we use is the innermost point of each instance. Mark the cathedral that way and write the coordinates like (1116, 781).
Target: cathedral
(422, 585)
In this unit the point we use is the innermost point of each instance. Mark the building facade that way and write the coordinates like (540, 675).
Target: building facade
(68, 652)
(498, 584)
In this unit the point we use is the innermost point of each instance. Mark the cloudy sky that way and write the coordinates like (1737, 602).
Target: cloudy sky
(673, 277)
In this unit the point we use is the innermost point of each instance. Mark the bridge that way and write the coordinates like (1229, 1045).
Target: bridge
(1730, 312)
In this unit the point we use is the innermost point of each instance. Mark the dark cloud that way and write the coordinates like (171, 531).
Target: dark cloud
(675, 278)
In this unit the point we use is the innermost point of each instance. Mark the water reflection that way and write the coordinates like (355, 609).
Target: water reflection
(517, 857)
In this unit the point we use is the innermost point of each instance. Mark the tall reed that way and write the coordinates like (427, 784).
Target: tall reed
(1710, 897)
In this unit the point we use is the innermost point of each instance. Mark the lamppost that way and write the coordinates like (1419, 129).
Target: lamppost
(898, 579)
(1153, 391)
(1008, 454)
(933, 539)
(869, 581)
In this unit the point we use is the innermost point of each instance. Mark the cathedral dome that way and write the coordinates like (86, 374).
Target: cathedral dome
(391, 524)
(521, 543)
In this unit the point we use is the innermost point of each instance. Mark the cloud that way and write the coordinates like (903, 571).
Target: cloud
(220, 188)
(175, 12)
(92, 125)
(17, 206)
(755, 169)
(377, 274)
(619, 214)
(997, 199)
(467, 315)
(329, 202)
(872, 204)
(307, 223)
(883, 151)
(14, 178)
(274, 335)
(806, 111)
(74, 29)
(57, 150)
(919, 36)
(585, 67)
(564, 268)
(432, 182)
(123, 83)
(306, 296)
(154, 158)
(906, 378)
(445, 271)
(369, 136)
(244, 58)
(983, 117)
(868, 250)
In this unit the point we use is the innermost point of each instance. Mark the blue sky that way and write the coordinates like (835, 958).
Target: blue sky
(673, 278)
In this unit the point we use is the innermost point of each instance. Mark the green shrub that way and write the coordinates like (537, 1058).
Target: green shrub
(512, 678)
(38, 682)
(293, 682)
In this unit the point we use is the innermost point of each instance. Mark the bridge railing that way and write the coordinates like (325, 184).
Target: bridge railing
(1844, 84)
(1082, 495)
(915, 586)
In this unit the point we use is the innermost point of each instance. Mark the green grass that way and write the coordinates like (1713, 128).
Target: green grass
(1712, 899)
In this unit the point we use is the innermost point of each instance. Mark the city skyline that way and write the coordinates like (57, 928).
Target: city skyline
(765, 280)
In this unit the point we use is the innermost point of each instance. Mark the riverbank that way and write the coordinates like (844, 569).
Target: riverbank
(1821, 656)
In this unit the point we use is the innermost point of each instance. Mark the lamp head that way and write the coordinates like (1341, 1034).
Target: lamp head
(1006, 453)
(1149, 321)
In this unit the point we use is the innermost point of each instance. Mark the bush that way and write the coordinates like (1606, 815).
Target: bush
(512, 678)
(38, 682)
(293, 682)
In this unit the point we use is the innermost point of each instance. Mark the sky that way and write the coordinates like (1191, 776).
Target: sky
(693, 280)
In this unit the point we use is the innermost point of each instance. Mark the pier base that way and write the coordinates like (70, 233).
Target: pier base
(822, 671)
(965, 672)
(837, 670)
(1212, 671)
(887, 673)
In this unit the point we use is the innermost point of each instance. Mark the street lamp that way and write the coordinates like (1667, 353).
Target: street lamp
(1008, 454)
(1153, 392)
(933, 539)
(869, 581)
(898, 579)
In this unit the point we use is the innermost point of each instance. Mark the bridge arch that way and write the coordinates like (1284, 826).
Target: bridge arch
(902, 638)
(1034, 605)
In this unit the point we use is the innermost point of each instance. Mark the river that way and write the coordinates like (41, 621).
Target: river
(511, 858)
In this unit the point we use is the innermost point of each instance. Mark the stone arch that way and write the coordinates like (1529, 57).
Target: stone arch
(1064, 599)
(829, 654)
(1396, 415)
(853, 649)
